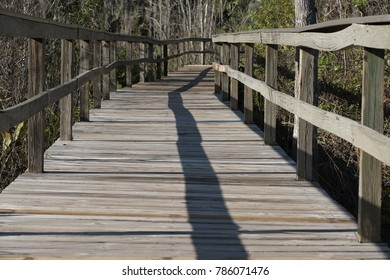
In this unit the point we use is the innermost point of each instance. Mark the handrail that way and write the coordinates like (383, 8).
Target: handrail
(154, 54)
(21, 25)
(371, 33)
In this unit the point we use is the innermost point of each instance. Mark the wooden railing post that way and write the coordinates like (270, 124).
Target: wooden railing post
(66, 102)
(165, 63)
(225, 77)
(113, 80)
(158, 72)
(234, 60)
(129, 56)
(181, 58)
(270, 109)
(106, 77)
(150, 64)
(96, 83)
(142, 54)
(248, 92)
(176, 60)
(186, 56)
(370, 175)
(203, 53)
(307, 132)
(84, 89)
(217, 75)
(36, 80)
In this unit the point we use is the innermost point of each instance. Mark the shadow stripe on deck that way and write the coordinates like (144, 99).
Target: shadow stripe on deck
(165, 170)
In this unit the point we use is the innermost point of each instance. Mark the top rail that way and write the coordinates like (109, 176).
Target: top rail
(19, 25)
(372, 32)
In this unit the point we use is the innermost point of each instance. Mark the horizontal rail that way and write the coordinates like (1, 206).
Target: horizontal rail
(354, 35)
(20, 25)
(367, 139)
(16, 114)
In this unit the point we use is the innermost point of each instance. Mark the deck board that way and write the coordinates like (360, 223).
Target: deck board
(165, 170)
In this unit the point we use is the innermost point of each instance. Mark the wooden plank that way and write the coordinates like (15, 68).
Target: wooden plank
(142, 53)
(225, 80)
(129, 56)
(150, 67)
(66, 102)
(165, 63)
(248, 93)
(217, 75)
(369, 140)
(97, 81)
(158, 64)
(113, 58)
(270, 109)
(370, 169)
(96, 193)
(356, 35)
(84, 89)
(306, 134)
(234, 62)
(36, 80)
(106, 77)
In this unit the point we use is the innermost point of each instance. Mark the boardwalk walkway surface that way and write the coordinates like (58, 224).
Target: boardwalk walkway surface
(166, 171)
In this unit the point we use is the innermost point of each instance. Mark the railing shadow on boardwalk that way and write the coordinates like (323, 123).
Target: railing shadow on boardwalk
(202, 212)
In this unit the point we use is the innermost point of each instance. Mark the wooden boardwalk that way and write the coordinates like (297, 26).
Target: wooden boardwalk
(166, 171)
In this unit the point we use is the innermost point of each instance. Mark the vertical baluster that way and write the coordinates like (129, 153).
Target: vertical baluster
(66, 101)
(36, 80)
(248, 92)
(370, 173)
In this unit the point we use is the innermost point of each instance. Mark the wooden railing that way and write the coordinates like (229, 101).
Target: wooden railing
(372, 33)
(156, 54)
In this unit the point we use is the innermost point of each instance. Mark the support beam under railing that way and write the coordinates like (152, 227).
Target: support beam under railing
(234, 62)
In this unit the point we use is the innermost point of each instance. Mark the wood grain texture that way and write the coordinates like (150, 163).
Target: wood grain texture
(248, 92)
(36, 80)
(234, 62)
(356, 35)
(129, 56)
(306, 133)
(183, 178)
(370, 171)
(106, 77)
(271, 79)
(97, 81)
(369, 140)
(225, 80)
(84, 89)
(66, 102)
(113, 58)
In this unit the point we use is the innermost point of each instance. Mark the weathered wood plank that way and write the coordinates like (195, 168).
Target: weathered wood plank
(306, 134)
(370, 171)
(369, 140)
(84, 89)
(97, 81)
(270, 109)
(372, 36)
(113, 58)
(248, 93)
(106, 76)
(36, 80)
(234, 62)
(129, 56)
(225, 80)
(66, 102)
(95, 196)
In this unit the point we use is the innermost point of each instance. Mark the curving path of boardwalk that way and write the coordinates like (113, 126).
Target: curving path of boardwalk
(165, 170)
